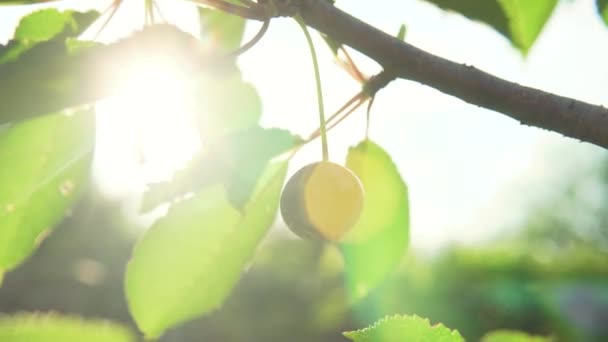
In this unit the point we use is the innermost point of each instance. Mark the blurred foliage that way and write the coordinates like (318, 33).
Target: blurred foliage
(55, 25)
(602, 8)
(548, 278)
(53, 327)
(294, 290)
(513, 336)
(404, 328)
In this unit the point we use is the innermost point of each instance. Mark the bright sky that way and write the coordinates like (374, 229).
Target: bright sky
(469, 171)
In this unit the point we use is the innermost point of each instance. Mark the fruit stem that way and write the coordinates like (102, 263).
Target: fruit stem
(149, 12)
(315, 63)
(367, 116)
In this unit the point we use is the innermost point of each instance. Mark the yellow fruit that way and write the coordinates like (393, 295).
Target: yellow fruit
(322, 200)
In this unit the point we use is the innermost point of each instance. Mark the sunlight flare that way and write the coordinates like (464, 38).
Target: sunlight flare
(145, 130)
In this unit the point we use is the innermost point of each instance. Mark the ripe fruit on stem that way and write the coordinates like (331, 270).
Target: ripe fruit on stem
(322, 200)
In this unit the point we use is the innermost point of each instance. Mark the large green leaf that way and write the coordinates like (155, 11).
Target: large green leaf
(521, 21)
(189, 261)
(405, 328)
(376, 245)
(45, 165)
(602, 8)
(45, 25)
(512, 336)
(30, 327)
(225, 161)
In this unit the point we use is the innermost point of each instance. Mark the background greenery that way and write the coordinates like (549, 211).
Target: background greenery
(545, 274)
(549, 278)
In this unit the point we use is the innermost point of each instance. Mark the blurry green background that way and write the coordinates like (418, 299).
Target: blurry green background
(546, 276)
(534, 255)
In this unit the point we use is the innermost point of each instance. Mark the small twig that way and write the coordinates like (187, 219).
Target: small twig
(533, 107)
(368, 116)
(369, 91)
(352, 69)
(346, 114)
(320, 104)
(160, 13)
(114, 7)
(330, 120)
(258, 36)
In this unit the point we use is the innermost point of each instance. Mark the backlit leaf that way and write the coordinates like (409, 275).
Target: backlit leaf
(189, 261)
(521, 21)
(45, 25)
(220, 29)
(405, 328)
(228, 104)
(376, 245)
(45, 165)
(526, 20)
(401, 33)
(69, 73)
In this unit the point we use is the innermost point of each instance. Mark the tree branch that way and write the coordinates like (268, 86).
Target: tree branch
(92, 74)
(533, 107)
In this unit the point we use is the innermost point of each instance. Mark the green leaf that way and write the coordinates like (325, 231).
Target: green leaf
(221, 30)
(521, 21)
(50, 23)
(35, 327)
(401, 33)
(246, 165)
(227, 104)
(61, 73)
(45, 166)
(224, 161)
(526, 20)
(45, 25)
(405, 328)
(512, 336)
(189, 261)
(602, 8)
(376, 245)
